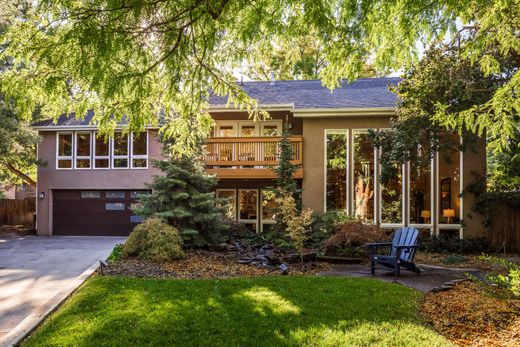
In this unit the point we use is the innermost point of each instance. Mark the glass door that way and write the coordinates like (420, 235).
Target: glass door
(248, 208)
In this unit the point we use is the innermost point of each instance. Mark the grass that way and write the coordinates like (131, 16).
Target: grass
(262, 311)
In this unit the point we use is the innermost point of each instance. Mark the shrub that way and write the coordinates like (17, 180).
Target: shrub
(324, 225)
(452, 244)
(117, 253)
(507, 274)
(233, 229)
(350, 238)
(154, 240)
(297, 222)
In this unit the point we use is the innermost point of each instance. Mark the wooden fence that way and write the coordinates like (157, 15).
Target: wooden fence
(16, 212)
(505, 228)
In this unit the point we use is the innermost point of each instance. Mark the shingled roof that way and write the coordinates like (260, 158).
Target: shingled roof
(301, 95)
(363, 93)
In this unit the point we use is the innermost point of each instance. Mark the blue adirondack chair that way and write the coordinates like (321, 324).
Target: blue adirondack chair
(402, 252)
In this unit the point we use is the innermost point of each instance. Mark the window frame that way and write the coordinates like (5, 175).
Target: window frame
(351, 175)
(82, 157)
(113, 157)
(438, 226)
(348, 188)
(249, 221)
(101, 157)
(235, 199)
(138, 156)
(72, 150)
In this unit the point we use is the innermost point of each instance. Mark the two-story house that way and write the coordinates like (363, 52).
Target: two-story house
(89, 184)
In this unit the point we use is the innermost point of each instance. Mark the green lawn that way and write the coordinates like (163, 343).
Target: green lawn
(263, 311)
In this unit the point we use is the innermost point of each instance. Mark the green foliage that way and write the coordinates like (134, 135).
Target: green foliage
(142, 59)
(183, 197)
(451, 244)
(297, 222)
(285, 169)
(489, 198)
(350, 238)
(116, 254)
(454, 259)
(17, 140)
(324, 225)
(154, 240)
(507, 274)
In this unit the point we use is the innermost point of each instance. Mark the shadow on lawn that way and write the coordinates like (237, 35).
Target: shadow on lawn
(281, 311)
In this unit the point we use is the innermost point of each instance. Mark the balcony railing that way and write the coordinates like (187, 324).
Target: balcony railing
(248, 157)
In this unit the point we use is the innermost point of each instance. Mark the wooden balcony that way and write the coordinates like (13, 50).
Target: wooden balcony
(248, 157)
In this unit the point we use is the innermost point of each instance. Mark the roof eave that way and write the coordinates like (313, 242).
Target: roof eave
(78, 127)
(344, 112)
(264, 107)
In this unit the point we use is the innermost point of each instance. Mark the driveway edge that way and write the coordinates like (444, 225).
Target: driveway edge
(32, 321)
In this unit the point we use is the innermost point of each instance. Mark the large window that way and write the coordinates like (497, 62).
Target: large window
(101, 152)
(120, 151)
(363, 179)
(420, 188)
(392, 197)
(86, 149)
(140, 150)
(248, 207)
(83, 146)
(269, 206)
(336, 166)
(449, 184)
(228, 200)
(64, 151)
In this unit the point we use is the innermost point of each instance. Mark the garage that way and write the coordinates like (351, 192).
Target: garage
(94, 212)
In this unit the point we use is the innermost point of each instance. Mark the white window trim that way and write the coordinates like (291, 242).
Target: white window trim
(351, 182)
(451, 226)
(82, 157)
(277, 123)
(235, 196)
(114, 157)
(71, 157)
(94, 156)
(140, 156)
(237, 126)
(264, 221)
(432, 198)
(380, 191)
(347, 163)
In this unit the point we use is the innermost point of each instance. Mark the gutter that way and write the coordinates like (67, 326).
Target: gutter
(78, 127)
(344, 112)
(266, 107)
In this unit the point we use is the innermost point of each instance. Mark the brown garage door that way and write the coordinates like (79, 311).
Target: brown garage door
(94, 212)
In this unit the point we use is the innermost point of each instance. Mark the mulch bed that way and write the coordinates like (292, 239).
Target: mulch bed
(17, 230)
(470, 315)
(203, 264)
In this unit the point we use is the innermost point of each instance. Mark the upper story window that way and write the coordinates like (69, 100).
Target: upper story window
(83, 146)
(140, 150)
(83, 150)
(247, 128)
(101, 153)
(120, 151)
(64, 151)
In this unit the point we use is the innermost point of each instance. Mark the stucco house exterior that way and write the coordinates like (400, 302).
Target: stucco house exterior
(89, 184)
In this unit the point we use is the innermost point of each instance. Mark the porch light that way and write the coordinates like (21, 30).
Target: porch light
(41, 196)
(448, 213)
(425, 215)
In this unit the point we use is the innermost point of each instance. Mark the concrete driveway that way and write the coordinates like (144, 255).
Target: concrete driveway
(34, 269)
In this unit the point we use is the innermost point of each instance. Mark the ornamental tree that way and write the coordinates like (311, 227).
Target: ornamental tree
(145, 60)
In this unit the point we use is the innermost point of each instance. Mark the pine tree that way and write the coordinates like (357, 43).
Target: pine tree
(183, 197)
(285, 169)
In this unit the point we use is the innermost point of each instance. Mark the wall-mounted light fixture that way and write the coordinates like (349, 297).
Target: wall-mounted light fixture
(41, 196)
